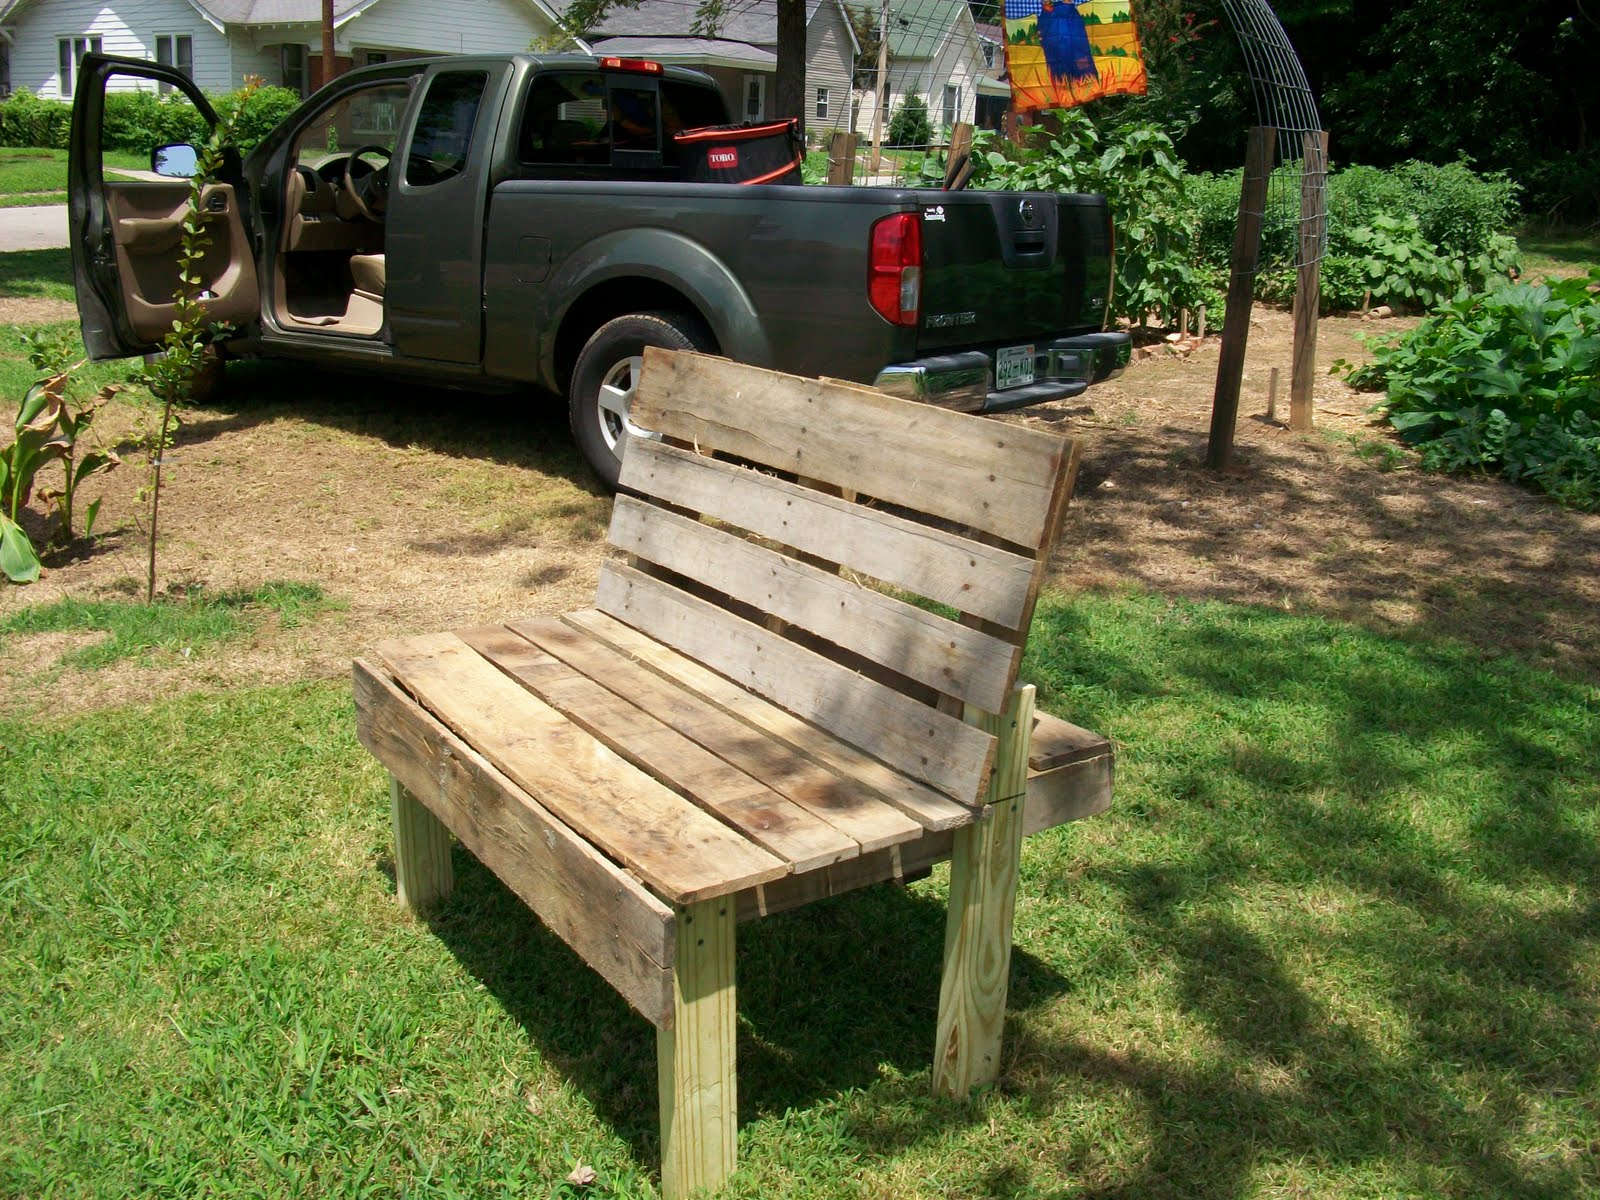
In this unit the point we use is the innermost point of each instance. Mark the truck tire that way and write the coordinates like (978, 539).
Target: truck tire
(606, 374)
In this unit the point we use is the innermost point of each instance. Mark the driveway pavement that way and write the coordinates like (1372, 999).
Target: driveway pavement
(38, 228)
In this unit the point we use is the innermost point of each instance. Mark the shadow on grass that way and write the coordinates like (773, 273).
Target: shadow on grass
(36, 273)
(1367, 871)
(828, 996)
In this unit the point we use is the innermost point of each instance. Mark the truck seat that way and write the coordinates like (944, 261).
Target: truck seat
(369, 274)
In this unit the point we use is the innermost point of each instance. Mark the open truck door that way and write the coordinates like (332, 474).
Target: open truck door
(126, 228)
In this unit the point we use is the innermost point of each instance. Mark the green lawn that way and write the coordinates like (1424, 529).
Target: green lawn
(1559, 253)
(1338, 937)
(37, 273)
(31, 176)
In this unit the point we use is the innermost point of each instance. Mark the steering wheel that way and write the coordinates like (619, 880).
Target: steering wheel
(368, 190)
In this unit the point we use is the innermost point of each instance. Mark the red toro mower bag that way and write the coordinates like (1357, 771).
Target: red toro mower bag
(769, 153)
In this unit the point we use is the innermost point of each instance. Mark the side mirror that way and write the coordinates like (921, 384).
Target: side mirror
(175, 160)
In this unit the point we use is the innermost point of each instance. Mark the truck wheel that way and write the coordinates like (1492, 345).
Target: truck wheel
(607, 373)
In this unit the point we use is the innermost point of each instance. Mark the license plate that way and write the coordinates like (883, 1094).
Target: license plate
(1013, 367)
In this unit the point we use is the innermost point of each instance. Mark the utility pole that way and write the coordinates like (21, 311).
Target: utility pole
(329, 68)
(883, 80)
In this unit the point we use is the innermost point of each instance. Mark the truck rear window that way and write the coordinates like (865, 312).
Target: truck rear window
(580, 118)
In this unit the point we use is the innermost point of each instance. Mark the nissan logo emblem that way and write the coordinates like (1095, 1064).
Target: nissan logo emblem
(1026, 210)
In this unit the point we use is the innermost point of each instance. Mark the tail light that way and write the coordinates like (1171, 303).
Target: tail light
(894, 271)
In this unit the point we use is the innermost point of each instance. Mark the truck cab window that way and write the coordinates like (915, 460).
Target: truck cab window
(445, 122)
(564, 118)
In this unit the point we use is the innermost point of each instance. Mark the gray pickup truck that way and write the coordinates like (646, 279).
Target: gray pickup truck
(517, 222)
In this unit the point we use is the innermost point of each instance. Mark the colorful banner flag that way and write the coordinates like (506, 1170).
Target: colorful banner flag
(1061, 53)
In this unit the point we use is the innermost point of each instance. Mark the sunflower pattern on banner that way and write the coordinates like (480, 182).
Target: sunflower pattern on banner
(1061, 53)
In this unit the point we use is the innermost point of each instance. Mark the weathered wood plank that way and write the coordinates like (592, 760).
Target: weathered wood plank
(1069, 792)
(680, 852)
(770, 820)
(917, 740)
(897, 862)
(932, 809)
(422, 870)
(695, 1057)
(987, 581)
(920, 645)
(987, 475)
(846, 804)
(983, 891)
(608, 918)
(1056, 742)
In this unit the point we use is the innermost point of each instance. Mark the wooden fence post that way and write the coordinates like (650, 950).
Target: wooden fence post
(1308, 280)
(960, 147)
(841, 158)
(1241, 284)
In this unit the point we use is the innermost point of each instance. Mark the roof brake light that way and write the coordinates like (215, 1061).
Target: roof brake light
(642, 65)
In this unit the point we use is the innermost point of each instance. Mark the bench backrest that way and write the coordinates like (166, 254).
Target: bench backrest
(792, 535)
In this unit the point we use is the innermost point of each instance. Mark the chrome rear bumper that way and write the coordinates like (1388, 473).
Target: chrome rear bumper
(1062, 368)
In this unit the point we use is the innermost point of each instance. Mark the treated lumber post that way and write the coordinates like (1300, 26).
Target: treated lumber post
(422, 870)
(983, 893)
(1241, 285)
(1308, 279)
(841, 158)
(695, 1056)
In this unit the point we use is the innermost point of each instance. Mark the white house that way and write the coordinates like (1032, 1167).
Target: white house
(935, 52)
(219, 42)
(741, 52)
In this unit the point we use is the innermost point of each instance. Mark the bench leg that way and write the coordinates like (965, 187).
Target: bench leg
(983, 893)
(695, 1058)
(422, 871)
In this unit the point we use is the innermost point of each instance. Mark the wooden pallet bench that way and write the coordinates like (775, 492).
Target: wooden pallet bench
(757, 712)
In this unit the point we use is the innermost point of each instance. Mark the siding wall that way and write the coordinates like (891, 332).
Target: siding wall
(445, 26)
(959, 60)
(130, 30)
(829, 63)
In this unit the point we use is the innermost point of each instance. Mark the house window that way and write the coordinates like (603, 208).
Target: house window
(5, 68)
(822, 104)
(371, 57)
(952, 104)
(69, 53)
(293, 68)
(755, 97)
(175, 50)
(988, 54)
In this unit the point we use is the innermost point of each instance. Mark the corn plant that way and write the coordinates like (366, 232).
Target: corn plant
(38, 442)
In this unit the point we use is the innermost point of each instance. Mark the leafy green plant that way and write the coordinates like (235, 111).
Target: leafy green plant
(51, 353)
(1507, 379)
(1137, 170)
(37, 443)
(139, 121)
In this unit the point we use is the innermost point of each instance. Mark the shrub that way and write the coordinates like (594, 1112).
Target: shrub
(1507, 379)
(910, 125)
(1137, 170)
(1411, 237)
(138, 121)
(26, 120)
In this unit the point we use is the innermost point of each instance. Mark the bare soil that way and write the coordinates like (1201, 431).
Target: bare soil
(418, 509)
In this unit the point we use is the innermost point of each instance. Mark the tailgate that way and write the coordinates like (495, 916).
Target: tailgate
(1004, 267)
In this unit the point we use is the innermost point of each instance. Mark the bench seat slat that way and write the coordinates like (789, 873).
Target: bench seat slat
(988, 475)
(940, 750)
(985, 581)
(846, 804)
(920, 645)
(768, 819)
(930, 808)
(596, 907)
(682, 854)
